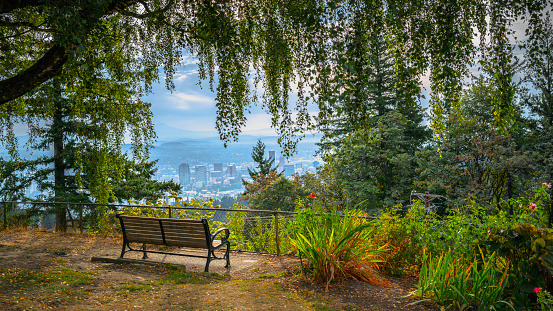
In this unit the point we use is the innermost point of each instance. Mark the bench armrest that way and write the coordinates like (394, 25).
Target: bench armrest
(225, 238)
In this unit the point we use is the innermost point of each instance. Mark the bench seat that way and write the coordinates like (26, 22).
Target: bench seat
(173, 232)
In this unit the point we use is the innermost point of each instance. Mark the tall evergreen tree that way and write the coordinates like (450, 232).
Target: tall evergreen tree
(539, 70)
(475, 158)
(364, 87)
(375, 165)
(137, 184)
(265, 165)
(265, 173)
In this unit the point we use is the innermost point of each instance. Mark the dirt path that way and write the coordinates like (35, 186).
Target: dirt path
(43, 270)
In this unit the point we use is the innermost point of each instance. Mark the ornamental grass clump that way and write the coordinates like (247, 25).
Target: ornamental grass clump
(458, 285)
(336, 247)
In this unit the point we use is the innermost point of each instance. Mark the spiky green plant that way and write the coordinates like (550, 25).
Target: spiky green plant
(338, 247)
(455, 284)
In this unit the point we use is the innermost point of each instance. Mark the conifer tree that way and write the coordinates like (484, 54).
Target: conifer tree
(264, 165)
(364, 87)
(265, 173)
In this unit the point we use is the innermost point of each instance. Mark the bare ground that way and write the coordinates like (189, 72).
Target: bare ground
(43, 270)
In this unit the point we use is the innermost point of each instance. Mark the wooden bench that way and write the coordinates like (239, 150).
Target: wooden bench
(173, 232)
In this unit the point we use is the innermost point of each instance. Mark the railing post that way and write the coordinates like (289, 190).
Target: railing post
(276, 235)
(81, 218)
(170, 212)
(5, 216)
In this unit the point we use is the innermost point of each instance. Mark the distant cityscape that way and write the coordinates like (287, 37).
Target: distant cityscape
(225, 179)
(199, 167)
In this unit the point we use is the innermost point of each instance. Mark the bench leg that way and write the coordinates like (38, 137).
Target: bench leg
(228, 257)
(208, 260)
(123, 250)
(144, 256)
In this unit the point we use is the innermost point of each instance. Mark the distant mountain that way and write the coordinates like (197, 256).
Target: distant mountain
(176, 146)
(169, 133)
(211, 150)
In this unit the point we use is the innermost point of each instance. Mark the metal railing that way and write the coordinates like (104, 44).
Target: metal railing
(275, 221)
(171, 211)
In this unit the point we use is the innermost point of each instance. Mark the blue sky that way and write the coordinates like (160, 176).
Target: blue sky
(191, 106)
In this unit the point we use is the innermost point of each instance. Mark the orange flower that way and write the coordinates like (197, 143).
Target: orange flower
(312, 194)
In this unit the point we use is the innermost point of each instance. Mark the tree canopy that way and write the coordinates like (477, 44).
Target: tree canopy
(291, 45)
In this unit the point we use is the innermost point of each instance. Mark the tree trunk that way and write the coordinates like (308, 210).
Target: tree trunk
(59, 167)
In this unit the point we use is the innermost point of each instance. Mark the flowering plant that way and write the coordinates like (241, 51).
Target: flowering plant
(544, 299)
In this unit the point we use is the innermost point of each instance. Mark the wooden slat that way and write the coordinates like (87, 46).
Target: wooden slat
(184, 230)
(188, 243)
(168, 220)
(156, 241)
(176, 236)
(178, 232)
(176, 221)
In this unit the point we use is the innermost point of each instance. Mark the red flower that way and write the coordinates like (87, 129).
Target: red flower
(537, 290)
(312, 194)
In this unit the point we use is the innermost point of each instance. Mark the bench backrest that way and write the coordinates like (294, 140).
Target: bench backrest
(166, 231)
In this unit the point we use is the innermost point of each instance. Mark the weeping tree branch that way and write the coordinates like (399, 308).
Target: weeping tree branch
(51, 63)
(149, 13)
(47, 67)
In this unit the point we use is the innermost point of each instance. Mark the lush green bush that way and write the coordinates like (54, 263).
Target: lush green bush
(544, 299)
(529, 250)
(252, 232)
(462, 231)
(406, 237)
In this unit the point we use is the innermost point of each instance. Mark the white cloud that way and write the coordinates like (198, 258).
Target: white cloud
(183, 101)
(188, 60)
(198, 124)
(181, 76)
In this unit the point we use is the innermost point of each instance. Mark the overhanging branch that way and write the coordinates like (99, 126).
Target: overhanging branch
(47, 67)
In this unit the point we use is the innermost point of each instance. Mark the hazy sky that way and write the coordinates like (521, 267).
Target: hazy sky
(192, 107)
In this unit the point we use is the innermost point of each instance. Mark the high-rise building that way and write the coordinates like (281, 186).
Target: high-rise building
(289, 169)
(231, 171)
(184, 174)
(272, 155)
(216, 175)
(218, 167)
(281, 163)
(201, 173)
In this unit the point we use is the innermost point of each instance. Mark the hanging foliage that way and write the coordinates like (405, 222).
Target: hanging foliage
(283, 46)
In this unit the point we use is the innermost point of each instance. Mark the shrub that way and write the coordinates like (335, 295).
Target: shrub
(335, 246)
(544, 299)
(450, 282)
(530, 252)
(406, 237)
(252, 232)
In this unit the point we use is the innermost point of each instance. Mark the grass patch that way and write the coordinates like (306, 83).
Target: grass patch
(17, 279)
(282, 273)
(58, 260)
(181, 277)
(131, 288)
